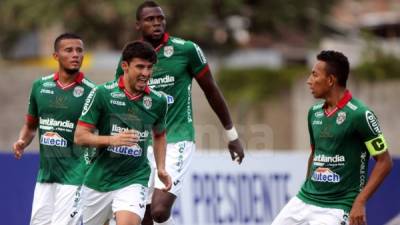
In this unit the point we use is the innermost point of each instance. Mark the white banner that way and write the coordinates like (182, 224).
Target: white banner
(219, 191)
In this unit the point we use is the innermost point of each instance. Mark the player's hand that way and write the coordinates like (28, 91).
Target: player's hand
(166, 179)
(18, 148)
(125, 138)
(357, 214)
(236, 150)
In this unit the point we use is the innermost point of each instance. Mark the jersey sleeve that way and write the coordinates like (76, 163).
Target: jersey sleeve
(32, 105)
(198, 65)
(91, 109)
(161, 123)
(119, 71)
(367, 126)
(310, 131)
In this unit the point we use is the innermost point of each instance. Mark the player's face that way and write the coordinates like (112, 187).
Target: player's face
(319, 81)
(152, 23)
(139, 72)
(69, 55)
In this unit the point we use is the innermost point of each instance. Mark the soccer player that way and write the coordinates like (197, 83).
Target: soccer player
(344, 133)
(125, 112)
(55, 104)
(179, 61)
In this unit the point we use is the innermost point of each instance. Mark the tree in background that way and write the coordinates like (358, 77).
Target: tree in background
(210, 22)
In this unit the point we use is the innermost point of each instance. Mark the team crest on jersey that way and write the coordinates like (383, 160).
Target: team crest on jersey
(168, 51)
(341, 118)
(147, 102)
(78, 91)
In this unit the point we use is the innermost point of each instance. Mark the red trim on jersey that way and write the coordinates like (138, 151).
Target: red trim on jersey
(84, 124)
(163, 42)
(159, 134)
(340, 105)
(130, 96)
(312, 147)
(78, 79)
(202, 72)
(31, 119)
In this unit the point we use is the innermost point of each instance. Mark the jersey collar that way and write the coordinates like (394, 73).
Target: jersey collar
(130, 96)
(163, 42)
(78, 80)
(341, 104)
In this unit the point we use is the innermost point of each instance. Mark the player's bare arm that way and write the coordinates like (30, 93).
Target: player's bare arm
(218, 104)
(309, 163)
(160, 148)
(85, 136)
(26, 136)
(381, 169)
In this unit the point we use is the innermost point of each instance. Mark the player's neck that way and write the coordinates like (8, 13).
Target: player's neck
(129, 89)
(65, 78)
(154, 43)
(334, 97)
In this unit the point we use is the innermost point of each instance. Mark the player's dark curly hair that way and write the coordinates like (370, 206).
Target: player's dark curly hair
(145, 4)
(337, 64)
(139, 49)
(63, 37)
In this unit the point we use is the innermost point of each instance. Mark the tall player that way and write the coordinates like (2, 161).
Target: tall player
(344, 133)
(179, 62)
(125, 112)
(54, 108)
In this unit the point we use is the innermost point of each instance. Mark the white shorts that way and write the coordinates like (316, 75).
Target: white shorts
(55, 203)
(296, 212)
(177, 162)
(98, 207)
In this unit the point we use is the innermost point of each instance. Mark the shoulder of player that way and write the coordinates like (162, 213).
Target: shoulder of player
(317, 106)
(88, 83)
(157, 96)
(183, 44)
(44, 79)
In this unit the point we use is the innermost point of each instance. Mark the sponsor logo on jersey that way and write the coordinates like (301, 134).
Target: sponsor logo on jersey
(363, 170)
(117, 95)
(162, 81)
(329, 159)
(53, 139)
(319, 114)
(134, 150)
(116, 102)
(322, 174)
(78, 91)
(189, 104)
(49, 84)
(115, 129)
(89, 101)
(341, 117)
(168, 51)
(200, 54)
(170, 99)
(317, 122)
(56, 123)
(372, 122)
(46, 91)
(147, 102)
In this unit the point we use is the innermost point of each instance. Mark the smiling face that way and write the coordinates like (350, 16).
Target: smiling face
(69, 54)
(151, 24)
(138, 72)
(319, 81)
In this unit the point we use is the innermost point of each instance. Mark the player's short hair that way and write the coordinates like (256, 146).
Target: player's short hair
(337, 64)
(63, 37)
(139, 49)
(146, 4)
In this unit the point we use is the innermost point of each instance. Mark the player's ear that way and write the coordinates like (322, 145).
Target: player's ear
(332, 80)
(124, 65)
(55, 56)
